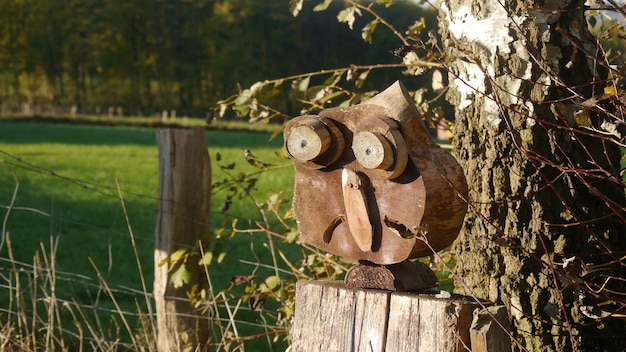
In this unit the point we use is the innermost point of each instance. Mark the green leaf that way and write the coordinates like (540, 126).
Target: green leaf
(583, 118)
(322, 6)
(178, 255)
(243, 98)
(181, 276)
(206, 259)
(335, 78)
(220, 257)
(368, 30)
(303, 84)
(317, 93)
(362, 77)
(272, 199)
(242, 110)
(270, 283)
(163, 261)
(332, 96)
(292, 236)
(387, 3)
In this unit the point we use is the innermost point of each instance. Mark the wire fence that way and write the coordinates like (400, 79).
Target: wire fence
(90, 273)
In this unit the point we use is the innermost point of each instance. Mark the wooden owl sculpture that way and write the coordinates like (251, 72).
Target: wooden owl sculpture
(370, 184)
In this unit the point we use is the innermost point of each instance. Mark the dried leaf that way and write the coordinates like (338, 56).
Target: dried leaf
(295, 6)
(575, 266)
(242, 279)
(368, 30)
(593, 101)
(348, 16)
(256, 302)
(437, 81)
(254, 160)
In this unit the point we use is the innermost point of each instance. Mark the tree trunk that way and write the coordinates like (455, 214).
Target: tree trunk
(545, 195)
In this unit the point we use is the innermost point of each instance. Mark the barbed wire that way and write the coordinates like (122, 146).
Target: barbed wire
(70, 285)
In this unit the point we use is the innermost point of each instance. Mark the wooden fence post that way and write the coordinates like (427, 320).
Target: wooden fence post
(182, 220)
(332, 317)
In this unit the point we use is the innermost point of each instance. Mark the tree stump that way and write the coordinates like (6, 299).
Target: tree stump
(331, 316)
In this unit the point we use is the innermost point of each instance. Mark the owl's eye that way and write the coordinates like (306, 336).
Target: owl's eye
(313, 140)
(372, 150)
(378, 145)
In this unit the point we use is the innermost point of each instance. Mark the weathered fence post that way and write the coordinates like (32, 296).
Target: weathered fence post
(331, 317)
(182, 220)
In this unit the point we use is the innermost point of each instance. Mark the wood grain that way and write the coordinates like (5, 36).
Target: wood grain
(415, 206)
(332, 317)
(182, 220)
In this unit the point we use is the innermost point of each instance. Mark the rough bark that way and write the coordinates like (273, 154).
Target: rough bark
(541, 188)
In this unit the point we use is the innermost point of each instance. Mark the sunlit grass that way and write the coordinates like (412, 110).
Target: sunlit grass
(66, 176)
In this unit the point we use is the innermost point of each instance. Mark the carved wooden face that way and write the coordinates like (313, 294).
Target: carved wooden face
(371, 185)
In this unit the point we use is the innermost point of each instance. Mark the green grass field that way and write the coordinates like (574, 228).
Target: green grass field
(60, 183)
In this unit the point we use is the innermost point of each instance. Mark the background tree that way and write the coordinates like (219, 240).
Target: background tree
(146, 57)
(545, 230)
(539, 131)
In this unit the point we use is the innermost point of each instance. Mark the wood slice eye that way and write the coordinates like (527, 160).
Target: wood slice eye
(314, 141)
(373, 150)
(308, 141)
(378, 145)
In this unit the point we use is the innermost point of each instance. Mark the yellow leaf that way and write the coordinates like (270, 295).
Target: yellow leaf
(610, 90)
(582, 118)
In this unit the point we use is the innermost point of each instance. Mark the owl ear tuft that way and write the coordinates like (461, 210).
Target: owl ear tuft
(314, 141)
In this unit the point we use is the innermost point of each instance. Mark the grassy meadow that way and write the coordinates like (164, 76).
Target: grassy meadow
(61, 192)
